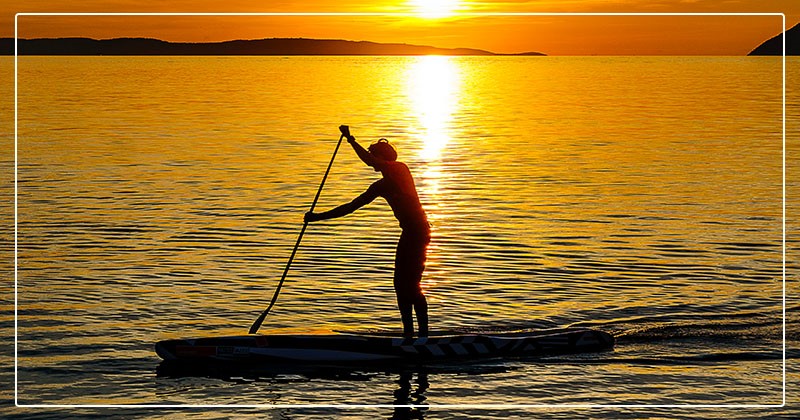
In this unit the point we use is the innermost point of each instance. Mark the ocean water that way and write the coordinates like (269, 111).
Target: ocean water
(160, 197)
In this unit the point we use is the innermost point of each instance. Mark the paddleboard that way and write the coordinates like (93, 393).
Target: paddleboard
(347, 348)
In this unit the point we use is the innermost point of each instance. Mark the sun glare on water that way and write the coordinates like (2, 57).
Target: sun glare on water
(433, 88)
(433, 9)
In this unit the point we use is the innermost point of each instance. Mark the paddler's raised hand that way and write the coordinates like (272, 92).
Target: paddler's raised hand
(346, 133)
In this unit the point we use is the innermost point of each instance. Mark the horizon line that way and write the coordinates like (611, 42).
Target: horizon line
(399, 14)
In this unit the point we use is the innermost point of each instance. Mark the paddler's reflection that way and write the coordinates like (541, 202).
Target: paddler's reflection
(410, 399)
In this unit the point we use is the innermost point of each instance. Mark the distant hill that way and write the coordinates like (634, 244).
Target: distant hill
(269, 46)
(774, 45)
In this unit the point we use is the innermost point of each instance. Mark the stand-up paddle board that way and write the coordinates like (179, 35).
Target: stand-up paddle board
(343, 348)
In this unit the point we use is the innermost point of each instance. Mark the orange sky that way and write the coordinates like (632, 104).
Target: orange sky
(554, 35)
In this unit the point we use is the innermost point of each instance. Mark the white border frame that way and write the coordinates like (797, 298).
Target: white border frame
(356, 406)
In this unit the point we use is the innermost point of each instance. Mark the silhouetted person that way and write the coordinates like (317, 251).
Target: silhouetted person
(397, 187)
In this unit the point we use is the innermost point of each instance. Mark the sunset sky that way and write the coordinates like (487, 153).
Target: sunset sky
(441, 23)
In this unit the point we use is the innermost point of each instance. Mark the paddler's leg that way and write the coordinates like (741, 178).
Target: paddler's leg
(407, 318)
(421, 308)
(408, 299)
(409, 264)
(405, 295)
(420, 303)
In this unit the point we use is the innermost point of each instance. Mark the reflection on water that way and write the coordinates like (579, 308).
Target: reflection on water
(404, 385)
(433, 88)
(411, 394)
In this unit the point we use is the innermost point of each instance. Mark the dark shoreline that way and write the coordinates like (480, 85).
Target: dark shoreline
(269, 46)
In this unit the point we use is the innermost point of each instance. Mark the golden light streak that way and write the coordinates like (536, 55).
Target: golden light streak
(433, 87)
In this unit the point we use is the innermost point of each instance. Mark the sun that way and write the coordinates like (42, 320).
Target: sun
(433, 9)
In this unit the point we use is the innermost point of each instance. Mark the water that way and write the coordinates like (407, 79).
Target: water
(160, 197)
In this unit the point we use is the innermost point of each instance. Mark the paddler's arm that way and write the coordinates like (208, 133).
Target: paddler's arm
(362, 153)
(345, 209)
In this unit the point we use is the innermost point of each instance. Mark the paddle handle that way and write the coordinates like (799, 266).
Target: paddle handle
(257, 324)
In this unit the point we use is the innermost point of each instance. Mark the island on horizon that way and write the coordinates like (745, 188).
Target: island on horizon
(266, 46)
(774, 45)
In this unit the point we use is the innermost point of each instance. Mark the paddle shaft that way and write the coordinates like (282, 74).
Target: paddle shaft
(257, 324)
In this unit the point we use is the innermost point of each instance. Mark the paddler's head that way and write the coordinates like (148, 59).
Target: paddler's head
(382, 150)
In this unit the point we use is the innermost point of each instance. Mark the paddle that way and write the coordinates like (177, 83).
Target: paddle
(256, 325)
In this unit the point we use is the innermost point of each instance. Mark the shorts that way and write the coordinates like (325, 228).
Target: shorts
(409, 264)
